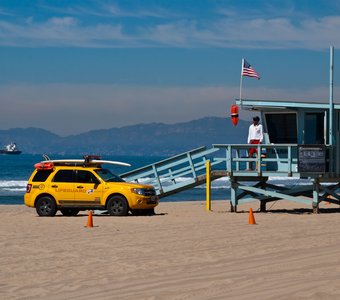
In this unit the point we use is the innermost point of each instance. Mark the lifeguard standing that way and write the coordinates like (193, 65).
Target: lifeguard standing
(255, 136)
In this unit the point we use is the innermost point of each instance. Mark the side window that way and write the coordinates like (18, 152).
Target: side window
(63, 176)
(85, 177)
(41, 175)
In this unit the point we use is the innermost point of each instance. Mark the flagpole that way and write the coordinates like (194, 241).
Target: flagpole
(241, 82)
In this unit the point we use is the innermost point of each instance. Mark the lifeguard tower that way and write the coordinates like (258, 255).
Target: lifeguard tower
(301, 140)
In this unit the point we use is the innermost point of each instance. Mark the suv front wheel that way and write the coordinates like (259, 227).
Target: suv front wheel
(117, 206)
(46, 207)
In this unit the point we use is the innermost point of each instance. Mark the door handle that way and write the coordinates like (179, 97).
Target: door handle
(80, 187)
(54, 186)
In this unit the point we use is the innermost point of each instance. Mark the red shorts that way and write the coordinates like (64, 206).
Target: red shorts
(251, 151)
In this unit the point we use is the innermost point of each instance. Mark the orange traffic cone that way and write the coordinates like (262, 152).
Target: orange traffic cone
(89, 220)
(251, 217)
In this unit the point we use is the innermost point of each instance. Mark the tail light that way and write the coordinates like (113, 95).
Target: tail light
(28, 188)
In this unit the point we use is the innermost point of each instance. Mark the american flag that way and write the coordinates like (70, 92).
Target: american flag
(248, 70)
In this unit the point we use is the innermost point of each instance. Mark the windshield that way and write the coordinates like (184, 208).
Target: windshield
(108, 176)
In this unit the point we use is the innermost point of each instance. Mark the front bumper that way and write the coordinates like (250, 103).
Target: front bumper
(144, 202)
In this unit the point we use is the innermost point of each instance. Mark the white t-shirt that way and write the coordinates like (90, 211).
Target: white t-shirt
(255, 133)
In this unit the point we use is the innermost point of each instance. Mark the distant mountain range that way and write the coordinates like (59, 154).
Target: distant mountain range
(154, 139)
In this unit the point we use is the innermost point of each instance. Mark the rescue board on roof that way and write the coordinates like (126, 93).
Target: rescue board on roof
(82, 161)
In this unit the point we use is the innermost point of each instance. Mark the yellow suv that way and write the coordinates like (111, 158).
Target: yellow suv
(74, 185)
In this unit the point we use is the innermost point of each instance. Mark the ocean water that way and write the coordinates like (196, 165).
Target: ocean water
(15, 171)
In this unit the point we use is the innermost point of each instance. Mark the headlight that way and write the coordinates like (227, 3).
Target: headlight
(138, 191)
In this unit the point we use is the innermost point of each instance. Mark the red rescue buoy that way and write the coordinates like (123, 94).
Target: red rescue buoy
(44, 166)
(234, 114)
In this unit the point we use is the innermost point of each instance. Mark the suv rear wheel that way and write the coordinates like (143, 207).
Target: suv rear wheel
(117, 206)
(46, 207)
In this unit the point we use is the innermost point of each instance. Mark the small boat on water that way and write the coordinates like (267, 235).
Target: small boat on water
(10, 149)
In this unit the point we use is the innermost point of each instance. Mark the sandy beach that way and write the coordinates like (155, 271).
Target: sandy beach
(183, 252)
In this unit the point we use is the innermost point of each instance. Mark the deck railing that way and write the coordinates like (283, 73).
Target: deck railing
(269, 160)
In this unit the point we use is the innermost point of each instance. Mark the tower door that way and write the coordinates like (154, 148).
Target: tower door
(314, 128)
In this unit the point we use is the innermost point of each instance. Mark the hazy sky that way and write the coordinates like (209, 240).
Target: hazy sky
(73, 66)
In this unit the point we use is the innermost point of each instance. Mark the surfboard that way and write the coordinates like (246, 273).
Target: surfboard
(82, 161)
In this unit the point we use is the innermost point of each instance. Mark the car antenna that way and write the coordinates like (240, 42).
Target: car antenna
(46, 157)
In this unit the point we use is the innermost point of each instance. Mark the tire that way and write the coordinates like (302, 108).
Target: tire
(68, 211)
(117, 206)
(46, 207)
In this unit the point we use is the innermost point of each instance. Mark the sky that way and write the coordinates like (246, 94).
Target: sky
(74, 66)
